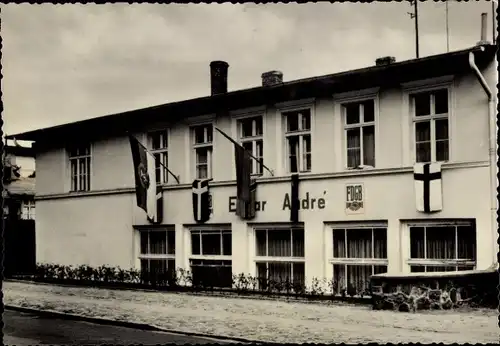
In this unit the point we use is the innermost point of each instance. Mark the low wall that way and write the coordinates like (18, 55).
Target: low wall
(424, 291)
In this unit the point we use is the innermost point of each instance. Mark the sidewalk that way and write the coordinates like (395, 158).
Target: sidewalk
(262, 320)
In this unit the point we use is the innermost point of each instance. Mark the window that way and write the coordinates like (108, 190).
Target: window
(250, 136)
(157, 254)
(442, 247)
(280, 255)
(28, 210)
(159, 148)
(79, 159)
(211, 257)
(358, 253)
(359, 125)
(298, 140)
(430, 118)
(203, 150)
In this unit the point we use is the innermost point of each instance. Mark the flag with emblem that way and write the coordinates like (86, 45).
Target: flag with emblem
(428, 187)
(201, 200)
(246, 187)
(147, 195)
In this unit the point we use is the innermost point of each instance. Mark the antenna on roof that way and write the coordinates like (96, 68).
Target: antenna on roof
(447, 29)
(415, 15)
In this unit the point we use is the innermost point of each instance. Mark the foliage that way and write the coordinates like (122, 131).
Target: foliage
(181, 280)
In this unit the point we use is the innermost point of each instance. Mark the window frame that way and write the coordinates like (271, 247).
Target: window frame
(426, 85)
(357, 96)
(421, 262)
(350, 261)
(252, 139)
(201, 230)
(300, 133)
(278, 259)
(31, 214)
(225, 260)
(208, 145)
(164, 175)
(167, 257)
(360, 261)
(69, 160)
(360, 125)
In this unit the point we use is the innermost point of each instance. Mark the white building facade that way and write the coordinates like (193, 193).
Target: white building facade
(356, 150)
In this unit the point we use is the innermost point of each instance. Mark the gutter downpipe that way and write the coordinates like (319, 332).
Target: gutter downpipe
(492, 152)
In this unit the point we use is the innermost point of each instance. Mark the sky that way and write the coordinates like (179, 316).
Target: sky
(64, 63)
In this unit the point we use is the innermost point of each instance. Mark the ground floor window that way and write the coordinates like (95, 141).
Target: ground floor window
(280, 256)
(358, 253)
(210, 259)
(442, 246)
(157, 254)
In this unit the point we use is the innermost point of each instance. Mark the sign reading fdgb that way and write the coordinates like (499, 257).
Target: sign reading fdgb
(355, 203)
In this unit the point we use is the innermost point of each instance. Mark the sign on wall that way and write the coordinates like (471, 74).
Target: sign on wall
(354, 202)
(307, 203)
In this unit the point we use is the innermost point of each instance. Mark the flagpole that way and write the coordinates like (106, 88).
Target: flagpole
(253, 157)
(161, 163)
(416, 28)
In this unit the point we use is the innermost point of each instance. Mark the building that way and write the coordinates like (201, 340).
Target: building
(358, 136)
(19, 209)
(19, 182)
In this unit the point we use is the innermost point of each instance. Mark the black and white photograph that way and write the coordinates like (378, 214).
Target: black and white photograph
(250, 173)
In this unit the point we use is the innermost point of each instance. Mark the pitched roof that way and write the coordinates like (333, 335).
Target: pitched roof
(391, 75)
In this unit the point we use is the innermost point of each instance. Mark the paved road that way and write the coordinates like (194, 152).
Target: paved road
(29, 329)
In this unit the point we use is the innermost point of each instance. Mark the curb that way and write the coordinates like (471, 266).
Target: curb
(126, 324)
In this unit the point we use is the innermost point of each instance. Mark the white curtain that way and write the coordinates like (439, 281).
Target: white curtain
(369, 145)
(353, 147)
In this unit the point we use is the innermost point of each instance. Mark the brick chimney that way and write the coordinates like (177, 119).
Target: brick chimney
(272, 78)
(484, 19)
(218, 77)
(386, 60)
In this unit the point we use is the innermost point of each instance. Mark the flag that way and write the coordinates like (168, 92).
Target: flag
(428, 190)
(294, 211)
(201, 200)
(245, 187)
(145, 179)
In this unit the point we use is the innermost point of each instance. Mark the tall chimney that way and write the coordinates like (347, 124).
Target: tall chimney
(484, 25)
(272, 78)
(218, 77)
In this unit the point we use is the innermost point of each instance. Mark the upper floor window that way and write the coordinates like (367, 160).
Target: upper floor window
(28, 210)
(298, 140)
(359, 125)
(203, 148)
(250, 135)
(430, 118)
(159, 148)
(79, 159)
